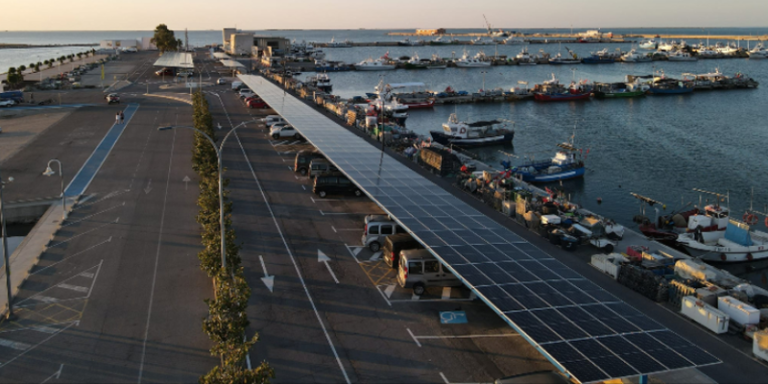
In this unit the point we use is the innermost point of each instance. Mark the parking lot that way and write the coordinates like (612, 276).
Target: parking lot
(335, 312)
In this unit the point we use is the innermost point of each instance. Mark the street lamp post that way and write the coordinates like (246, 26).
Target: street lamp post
(50, 172)
(221, 178)
(6, 256)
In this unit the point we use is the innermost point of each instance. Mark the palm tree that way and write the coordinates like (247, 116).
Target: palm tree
(62, 59)
(31, 65)
(79, 55)
(22, 68)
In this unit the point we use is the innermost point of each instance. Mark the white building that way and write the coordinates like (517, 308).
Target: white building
(146, 44)
(241, 43)
(226, 36)
(116, 44)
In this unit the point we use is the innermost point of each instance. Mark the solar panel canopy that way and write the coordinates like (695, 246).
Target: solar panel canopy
(175, 60)
(231, 64)
(582, 329)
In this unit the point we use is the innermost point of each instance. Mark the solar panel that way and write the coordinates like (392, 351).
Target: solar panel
(585, 330)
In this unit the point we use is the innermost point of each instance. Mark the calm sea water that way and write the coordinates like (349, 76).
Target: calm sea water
(658, 146)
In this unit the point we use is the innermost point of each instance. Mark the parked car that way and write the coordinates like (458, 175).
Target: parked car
(271, 119)
(419, 269)
(221, 81)
(249, 98)
(284, 131)
(257, 103)
(7, 103)
(185, 74)
(246, 94)
(164, 71)
(319, 167)
(303, 158)
(334, 185)
(393, 244)
(377, 228)
(112, 98)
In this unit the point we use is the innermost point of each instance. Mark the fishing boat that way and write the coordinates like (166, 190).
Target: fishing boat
(383, 63)
(414, 62)
(738, 243)
(511, 40)
(518, 93)
(662, 85)
(567, 164)
(667, 228)
(633, 57)
(619, 90)
(600, 57)
(758, 52)
(470, 135)
(552, 90)
(648, 44)
(478, 61)
(681, 56)
(322, 82)
(524, 58)
(437, 63)
(560, 60)
(331, 66)
(415, 104)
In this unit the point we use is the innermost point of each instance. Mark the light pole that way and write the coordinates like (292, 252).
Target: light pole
(50, 172)
(6, 256)
(221, 178)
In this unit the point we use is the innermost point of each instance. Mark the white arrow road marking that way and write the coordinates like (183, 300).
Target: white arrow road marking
(75, 288)
(268, 280)
(376, 256)
(323, 258)
(186, 179)
(148, 189)
(219, 126)
(56, 375)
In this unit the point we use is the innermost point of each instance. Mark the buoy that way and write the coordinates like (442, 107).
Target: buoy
(599, 200)
(664, 206)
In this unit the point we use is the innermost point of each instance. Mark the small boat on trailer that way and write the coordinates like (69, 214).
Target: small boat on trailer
(472, 135)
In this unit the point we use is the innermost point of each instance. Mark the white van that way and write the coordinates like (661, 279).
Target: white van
(378, 227)
(419, 269)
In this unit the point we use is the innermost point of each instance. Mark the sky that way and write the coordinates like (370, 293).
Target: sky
(390, 14)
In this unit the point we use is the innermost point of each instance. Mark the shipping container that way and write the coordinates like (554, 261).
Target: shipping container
(705, 314)
(740, 313)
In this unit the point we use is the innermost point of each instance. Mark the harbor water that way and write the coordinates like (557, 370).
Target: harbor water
(658, 146)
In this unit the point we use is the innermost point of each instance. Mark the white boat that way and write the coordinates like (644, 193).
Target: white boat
(410, 43)
(524, 58)
(726, 49)
(706, 53)
(480, 41)
(758, 52)
(478, 61)
(512, 40)
(477, 134)
(323, 82)
(336, 44)
(681, 56)
(736, 244)
(559, 59)
(381, 64)
(649, 45)
(633, 57)
(668, 46)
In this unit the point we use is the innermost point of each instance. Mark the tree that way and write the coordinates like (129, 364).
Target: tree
(93, 52)
(37, 66)
(79, 55)
(14, 77)
(71, 57)
(62, 59)
(31, 66)
(21, 69)
(164, 39)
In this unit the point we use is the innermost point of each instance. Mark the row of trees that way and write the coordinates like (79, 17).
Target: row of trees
(227, 321)
(15, 75)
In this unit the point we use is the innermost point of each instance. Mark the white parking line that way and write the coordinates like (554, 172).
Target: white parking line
(303, 187)
(75, 288)
(444, 378)
(375, 257)
(413, 337)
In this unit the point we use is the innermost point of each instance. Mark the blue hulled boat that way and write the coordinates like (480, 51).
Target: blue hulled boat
(566, 164)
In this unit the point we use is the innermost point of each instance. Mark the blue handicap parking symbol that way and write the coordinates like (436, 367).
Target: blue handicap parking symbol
(453, 317)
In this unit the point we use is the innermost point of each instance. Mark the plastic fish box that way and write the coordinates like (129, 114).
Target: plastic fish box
(550, 219)
(705, 314)
(739, 312)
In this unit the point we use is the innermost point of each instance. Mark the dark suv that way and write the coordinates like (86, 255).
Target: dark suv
(334, 185)
(303, 158)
